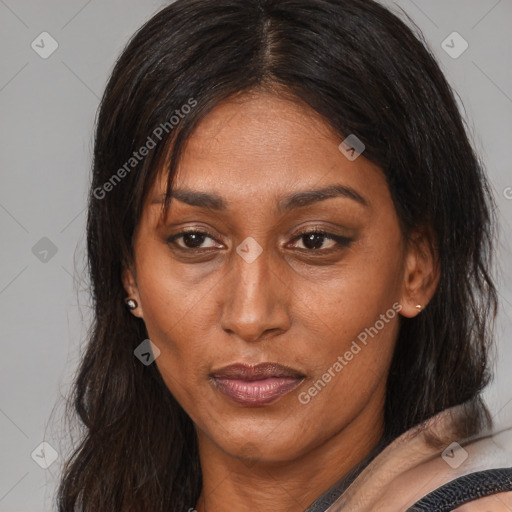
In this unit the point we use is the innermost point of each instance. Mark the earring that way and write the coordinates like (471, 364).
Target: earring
(131, 304)
(419, 307)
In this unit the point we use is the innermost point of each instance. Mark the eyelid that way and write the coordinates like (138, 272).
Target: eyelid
(316, 229)
(341, 241)
(187, 231)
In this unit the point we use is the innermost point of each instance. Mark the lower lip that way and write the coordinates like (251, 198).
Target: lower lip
(256, 392)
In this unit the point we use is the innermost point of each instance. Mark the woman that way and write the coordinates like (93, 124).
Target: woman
(289, 241)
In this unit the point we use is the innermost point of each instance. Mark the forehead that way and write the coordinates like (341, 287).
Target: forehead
(256, 137)
(258, 147)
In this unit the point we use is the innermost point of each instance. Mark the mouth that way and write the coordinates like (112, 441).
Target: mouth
(255, 385)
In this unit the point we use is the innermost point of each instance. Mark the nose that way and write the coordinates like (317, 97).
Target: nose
(255, 304)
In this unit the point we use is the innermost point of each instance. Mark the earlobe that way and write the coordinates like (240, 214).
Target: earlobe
(421, 274)
(132, 300)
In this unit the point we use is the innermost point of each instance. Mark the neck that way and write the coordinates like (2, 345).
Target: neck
(231, 484)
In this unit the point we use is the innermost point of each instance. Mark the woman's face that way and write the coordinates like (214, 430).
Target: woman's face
(252, 289)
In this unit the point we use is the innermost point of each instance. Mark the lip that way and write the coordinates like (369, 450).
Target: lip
(254, 385)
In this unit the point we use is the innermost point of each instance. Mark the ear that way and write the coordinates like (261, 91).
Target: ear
(131, 288)
(421, 272)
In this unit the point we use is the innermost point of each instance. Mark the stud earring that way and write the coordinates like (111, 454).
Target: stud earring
(419, 307)
(131, 304)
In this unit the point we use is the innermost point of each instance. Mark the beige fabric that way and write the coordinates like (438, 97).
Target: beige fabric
(409, 468)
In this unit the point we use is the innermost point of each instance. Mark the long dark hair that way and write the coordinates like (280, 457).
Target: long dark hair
(361, 68)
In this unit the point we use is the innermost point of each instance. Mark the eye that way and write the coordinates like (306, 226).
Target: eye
(315, 240)
(192, 239)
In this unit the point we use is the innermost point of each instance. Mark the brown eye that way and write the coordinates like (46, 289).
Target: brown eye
(192, 239)
(321, 241)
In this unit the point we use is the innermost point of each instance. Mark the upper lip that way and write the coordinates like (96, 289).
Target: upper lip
(259, 371)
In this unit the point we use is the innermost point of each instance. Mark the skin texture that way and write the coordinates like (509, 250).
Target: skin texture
(293, 305)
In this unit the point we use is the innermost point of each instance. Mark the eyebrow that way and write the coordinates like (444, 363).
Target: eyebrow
(214, 202)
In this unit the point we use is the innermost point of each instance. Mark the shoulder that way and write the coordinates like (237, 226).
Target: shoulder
(501, 502)
(471, 492)
(412, 474)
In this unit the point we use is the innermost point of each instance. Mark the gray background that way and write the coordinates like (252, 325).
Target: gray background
(47, 109)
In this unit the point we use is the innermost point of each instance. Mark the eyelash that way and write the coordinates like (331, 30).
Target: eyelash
(340, 240)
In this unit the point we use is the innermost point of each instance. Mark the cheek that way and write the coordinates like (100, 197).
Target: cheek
(350, 359)
(341, 303)
(173, 295)
(352, 321)
(176, 319)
